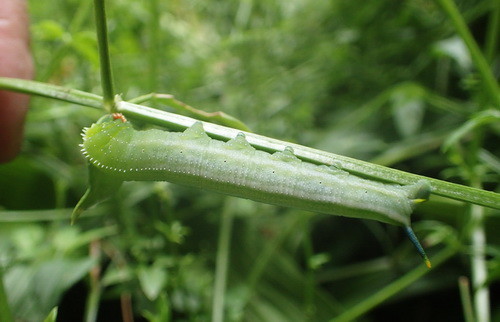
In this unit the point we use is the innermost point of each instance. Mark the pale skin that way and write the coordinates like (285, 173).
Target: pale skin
(15, 61)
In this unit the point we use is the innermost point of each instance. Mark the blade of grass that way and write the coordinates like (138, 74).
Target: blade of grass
(411, 147)
(463, 286)
(493, 32)
(266, 255)
(222, 261)
(489, 82)
(310, 276)
(5, 311)
(170, 101)
(394, 288)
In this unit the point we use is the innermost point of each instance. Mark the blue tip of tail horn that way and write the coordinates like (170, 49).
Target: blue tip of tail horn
(418, 246)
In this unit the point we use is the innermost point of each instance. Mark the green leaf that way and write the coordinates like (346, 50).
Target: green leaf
(152, 280)
(34, 290)
(117, 275)
(175, 232)
(408, 108)
(48, 30)
(85, 43)
(52, 317)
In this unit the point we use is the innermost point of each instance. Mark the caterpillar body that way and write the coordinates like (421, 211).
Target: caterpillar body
(235, 168)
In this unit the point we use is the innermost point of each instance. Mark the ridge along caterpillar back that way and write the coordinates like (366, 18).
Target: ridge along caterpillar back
(117, 152)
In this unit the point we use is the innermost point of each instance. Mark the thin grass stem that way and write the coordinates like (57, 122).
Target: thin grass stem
(465, 297)
(222, 261)
(490, 84)
(5, 311)
(102, 40)
(354, 166)
(394, 288)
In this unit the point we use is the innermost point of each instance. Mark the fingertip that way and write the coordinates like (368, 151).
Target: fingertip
(13, 108)
(16, 62)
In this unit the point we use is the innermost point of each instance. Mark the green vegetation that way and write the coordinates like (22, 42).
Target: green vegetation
(404, 84)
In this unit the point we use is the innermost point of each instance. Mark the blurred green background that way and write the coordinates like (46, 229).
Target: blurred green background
(383, 81)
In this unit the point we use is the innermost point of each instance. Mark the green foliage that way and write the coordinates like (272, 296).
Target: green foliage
(341, 76)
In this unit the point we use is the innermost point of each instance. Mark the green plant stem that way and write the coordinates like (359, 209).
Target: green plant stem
(493, 32)
(478, 264)
(44, 215)
(51, 91)
(92, 306)
(310, 276)
(464, 287)
(154, 52)
(94, 296)
(222, 261)
(479, 268)
(102, 40)
(179, 122)
(5, 312)
(357, 167)
(490, 84)
(392, 289)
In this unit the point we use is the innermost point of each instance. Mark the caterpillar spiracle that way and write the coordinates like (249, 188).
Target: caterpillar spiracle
(120, 153)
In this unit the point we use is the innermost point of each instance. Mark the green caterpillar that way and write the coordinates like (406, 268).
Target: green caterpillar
(118, 152)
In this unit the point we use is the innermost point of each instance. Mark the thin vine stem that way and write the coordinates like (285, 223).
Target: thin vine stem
(102, 40)
(354, 166)
(51, 91)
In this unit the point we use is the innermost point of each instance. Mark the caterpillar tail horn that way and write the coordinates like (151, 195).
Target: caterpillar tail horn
(417, 244)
